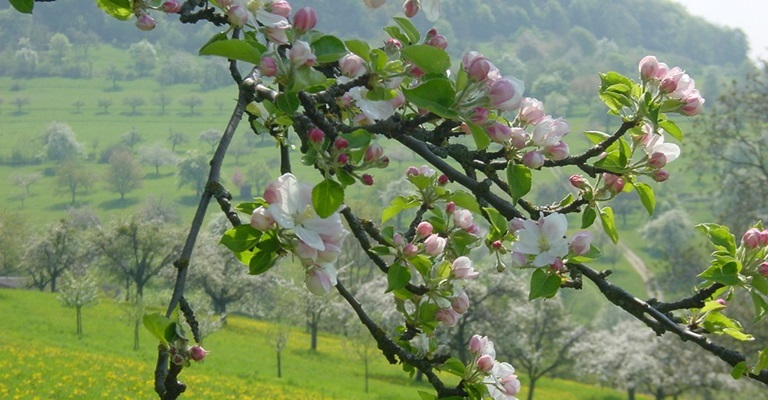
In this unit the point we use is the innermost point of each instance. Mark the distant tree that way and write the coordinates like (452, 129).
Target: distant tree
(78, 289)
(239, 151)
(48, 255)
(72, 176)
(192, 102)
(25, 180)
(177, 138)
(211, 136)
(162, 100)
(157, 156)
(25, 61)
(58, 47)
(193, 170)
(144, 56)
(257, 176)
(131, 138)
(20, 102)
(134, 102)
(12, 241)
(60, 142)
(114, 74)
(124, 174)
(158, 208)
(78, 104)
(105, 104)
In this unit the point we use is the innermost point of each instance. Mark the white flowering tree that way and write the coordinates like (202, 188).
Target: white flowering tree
(335, 104)
(78, 290)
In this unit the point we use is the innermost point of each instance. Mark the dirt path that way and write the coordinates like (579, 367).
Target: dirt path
(646, 274)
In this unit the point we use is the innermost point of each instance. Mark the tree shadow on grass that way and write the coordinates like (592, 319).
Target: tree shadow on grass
(117, 204)
(190, 200)
(153, 176)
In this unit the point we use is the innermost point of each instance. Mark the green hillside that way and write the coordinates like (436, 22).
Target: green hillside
(41, 357)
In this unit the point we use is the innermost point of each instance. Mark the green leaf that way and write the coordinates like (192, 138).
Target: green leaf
(261, 262)
(498, 222)
(435, 95)
(358, 139)
(305, 77)
(430, 59)
(719, 236)
(739, 370)
(760, 305)
(398, 277)
(23, 6)
(235, 49)
(241, 238)
(543, 284)
(287, 102)
(609, 225)
(588, 217)
(157, 324)
(359, 47)
(120, 9)
(647, 197)
(738, 335)
(396, 33)
(328, 49)
(422, 264)
(593, 254)
(410, 30)
(248, 207)
(672, 129)
(519, 178)
(327, 197)
(397, 205)
(454, 366)
(727, 274)
(482, 141)
(426, 396)
(380, 250)
(762, 361)
(465, 200)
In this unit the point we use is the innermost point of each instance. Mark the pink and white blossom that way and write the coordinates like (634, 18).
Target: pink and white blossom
(434, 245)
(321, 279)
(544, 239)
(580, 243)
(463, 218)
(462, 268)
(549, 131)
(374, 110)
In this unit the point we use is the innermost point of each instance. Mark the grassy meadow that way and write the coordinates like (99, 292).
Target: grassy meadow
(42, 358)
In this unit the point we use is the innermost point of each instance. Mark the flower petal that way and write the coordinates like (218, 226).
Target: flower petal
(311, 238)
(431, 9)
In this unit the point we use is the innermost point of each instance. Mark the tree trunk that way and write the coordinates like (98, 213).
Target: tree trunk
(531, 386)
(631, 393)
(313, 332)
(365, 361)
(419, 376)
(79, 322)
(136, 335)
(279, 366)
(53, 283)
(660, 394)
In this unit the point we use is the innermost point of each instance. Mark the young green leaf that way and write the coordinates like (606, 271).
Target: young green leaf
(261, 262)
(647, 197)
(398, 277)
(157, 324)
(519, 178)
(397, 205)
(480, 136)
(23, 6)
(328, 49)
(327, 197)
(359, 47)
(435, 95)
(430, 59)
(410, 30)
(672, 129)
(543, 284)
(588, 217)
(609, 224)
(234, 49)
(119, 9)
(240, 238)
(719, 236)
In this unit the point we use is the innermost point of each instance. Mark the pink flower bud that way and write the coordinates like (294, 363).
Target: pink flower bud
(447, 316)
(450, 208)
(764, 238)
(178, 359)
(439, 41)
(398, 100)
(479, 68)
(305, 252)
(268, 66)
(412, 171)
(340, 143)
(373, 153)
(557, 151)
(473, 229)
(261, 219)
(721, 302)
(145, 22)
(670, 79)
(510, 384)
(518, 138)
(515, 224)
(434, 245)
(579, 182)
(352, 65)
(237, 15)
(460, 304)
(462, 218)
(497, 245)
(657, 160)
(648, 67)
(342, 159)
(392, 45)
(424, 229)
(462, 268)
(316, 135)
(694, 104)
(320, 281)
(518, 259)
(485, 363)
(506, 94)
(171, 6)
(660, 175)
(614, 182)
(479, 116)
(304, 20)
(557, 265)
(383, 162)
(763, 269)
(498, 132)
(442, 180)
(276, 34)
(398, 239)
(279, 7)
(531, 111)
(367, 180)
(410, 250)
(416, 72)
(751, 238)
(410, 8)
(580, 243)
(533, 159)
(301, 53)
(477, 344)
(197, 353)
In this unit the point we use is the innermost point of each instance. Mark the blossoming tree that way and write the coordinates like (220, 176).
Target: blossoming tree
(336, 101)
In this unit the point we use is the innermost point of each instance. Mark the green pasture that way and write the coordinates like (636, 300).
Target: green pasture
(41, 357)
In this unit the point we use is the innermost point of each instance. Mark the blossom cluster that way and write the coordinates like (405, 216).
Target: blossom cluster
(144, 20)
(339, 157)
(315, 241)
(411, 7)
(181, 353)
(754, 251)
(498, 377)
(543, 243)
(672, 83)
